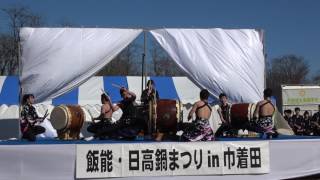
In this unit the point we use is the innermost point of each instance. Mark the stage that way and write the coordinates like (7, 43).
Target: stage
(290, 157)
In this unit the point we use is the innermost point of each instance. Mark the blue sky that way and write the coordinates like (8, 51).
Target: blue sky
(291, 26)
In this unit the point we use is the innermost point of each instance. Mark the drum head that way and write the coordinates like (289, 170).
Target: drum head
(59, 117)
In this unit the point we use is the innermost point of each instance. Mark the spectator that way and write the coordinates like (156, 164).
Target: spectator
(288, 117)
(316, 122)
(297, 122)
(307, 123)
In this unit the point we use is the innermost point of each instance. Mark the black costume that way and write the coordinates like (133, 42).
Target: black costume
(128, 126)
(298, 123)
(316, 119)
(225, 126)
(145, 98)
(27, 123)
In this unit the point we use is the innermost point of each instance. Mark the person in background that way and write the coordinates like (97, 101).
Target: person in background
(200, 130)
(288, 117)
(297, 120)
(316, 122)
(224, 113)
(30, 119)
(307, 123)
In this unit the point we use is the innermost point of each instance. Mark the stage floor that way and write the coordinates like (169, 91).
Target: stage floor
(96, 141)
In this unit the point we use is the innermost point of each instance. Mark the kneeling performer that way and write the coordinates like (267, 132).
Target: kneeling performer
(200, 130)
(103, 128)
(29, 119)
(264, 112)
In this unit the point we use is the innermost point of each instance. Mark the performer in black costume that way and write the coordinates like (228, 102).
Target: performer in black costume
(149, 93)
(224, 113)
(29, 119)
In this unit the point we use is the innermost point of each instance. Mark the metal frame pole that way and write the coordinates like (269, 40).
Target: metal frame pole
(145, 56)
(143, 62)
(262, 35)
(19, 75)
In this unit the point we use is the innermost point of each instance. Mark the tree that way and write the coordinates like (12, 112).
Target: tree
(128, 62)
(163, 64)
(287, 69)
(8, 62)
(19, 16)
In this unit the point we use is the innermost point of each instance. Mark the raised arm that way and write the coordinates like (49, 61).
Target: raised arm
(133, 95)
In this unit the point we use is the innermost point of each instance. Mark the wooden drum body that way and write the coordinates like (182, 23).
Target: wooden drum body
(168, 115)
(241, 114)
(68, 121)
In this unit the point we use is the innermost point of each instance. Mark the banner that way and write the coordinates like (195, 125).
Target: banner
(301, 95)
(170, 159)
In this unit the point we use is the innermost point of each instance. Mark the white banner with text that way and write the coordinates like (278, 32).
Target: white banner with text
(170, 159)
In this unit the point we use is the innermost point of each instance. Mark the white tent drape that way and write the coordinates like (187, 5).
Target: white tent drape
(229, 61)
(56, 60)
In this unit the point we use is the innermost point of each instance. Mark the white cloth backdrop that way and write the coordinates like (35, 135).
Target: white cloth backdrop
(56, 60)
(220, 60)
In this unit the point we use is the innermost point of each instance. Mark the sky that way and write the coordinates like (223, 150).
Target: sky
(291, 26)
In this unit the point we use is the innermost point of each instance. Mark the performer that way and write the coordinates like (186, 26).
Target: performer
(297, 120)
(103, 128)
(29, 119)
(316, 122)
(149, 98)
(149, 93)
(263, 113)
(129, 124)
(200, 129)
(224, 113)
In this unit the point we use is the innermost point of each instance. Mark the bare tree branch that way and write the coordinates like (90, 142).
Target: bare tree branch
(19, 16)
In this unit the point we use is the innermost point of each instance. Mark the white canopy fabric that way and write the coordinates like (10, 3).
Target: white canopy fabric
(229, 61)
(56, 60)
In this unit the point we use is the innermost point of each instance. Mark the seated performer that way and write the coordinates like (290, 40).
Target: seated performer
(149, 93)
(200, 130)
(263, 113)
(102, 129)
(224, 113)
(29, 119)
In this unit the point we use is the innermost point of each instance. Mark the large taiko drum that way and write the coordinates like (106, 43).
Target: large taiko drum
(241, 114)
(168, 115)
(68, 121)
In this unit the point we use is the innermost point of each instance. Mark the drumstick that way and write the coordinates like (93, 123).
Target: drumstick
(116, 85)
